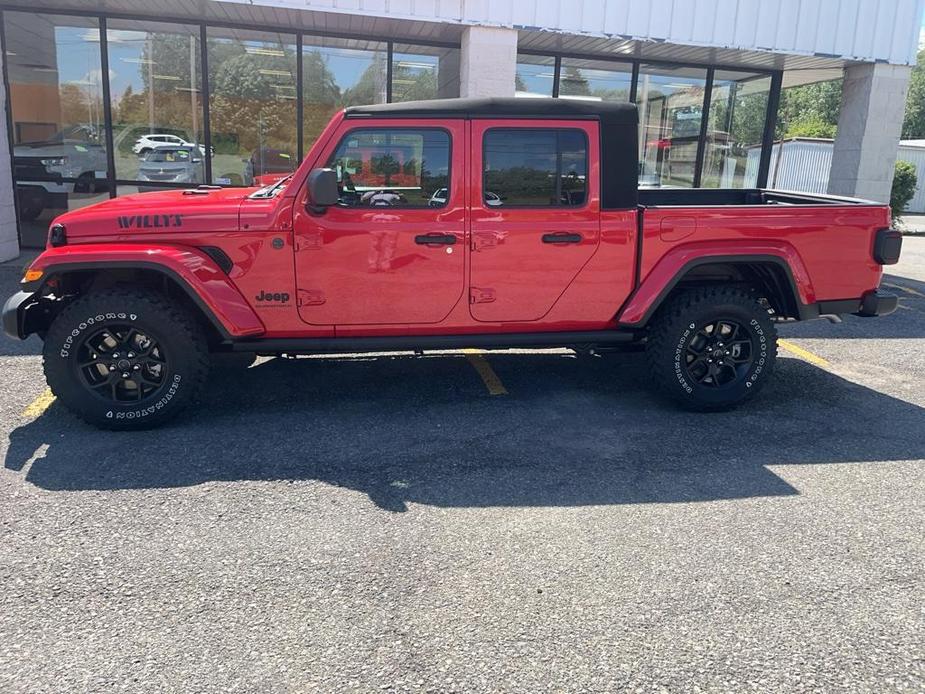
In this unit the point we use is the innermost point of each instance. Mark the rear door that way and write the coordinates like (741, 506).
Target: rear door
(535, 216)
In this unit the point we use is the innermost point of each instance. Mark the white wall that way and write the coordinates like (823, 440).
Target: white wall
(805, 166)
(916, 157)
(866, 30)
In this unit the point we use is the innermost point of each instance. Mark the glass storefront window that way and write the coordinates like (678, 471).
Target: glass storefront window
(155, 89)
(252, 103)
(595, 80)
(670, 101)
(738, 111)
(337, 73)
(56, 105)
(422, 72)
(534, 76)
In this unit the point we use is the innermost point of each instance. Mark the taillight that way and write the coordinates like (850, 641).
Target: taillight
(888, 244)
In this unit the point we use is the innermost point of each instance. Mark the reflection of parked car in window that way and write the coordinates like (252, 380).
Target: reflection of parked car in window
(170, 165)
(146, 143)
(42, 168)
(438, 199)
(267, 160)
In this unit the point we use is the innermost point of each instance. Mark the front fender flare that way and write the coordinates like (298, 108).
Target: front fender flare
(192, 270)
(677, 262)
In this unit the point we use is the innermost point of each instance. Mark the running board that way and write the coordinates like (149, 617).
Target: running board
(411, 343)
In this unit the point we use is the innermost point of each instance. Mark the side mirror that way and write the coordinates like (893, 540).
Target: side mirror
(322, 189)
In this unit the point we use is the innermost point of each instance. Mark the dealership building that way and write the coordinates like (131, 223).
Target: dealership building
(106, 98)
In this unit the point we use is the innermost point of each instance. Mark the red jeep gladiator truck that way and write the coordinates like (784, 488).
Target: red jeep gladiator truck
(491, 223)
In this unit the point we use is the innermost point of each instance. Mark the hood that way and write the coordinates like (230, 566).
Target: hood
(132, 217)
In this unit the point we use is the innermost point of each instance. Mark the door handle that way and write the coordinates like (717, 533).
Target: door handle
(561, 237)
(435, 239)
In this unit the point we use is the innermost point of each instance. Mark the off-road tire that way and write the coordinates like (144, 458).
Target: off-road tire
(182, 345)
(679, 326)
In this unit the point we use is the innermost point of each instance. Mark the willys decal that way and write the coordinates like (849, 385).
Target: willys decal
(151, 221)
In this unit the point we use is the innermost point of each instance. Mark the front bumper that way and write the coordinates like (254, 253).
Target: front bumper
(20, 313)
(877, 303)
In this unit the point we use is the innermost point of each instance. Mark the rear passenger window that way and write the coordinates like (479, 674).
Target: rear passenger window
(397, 167)
(534, 168)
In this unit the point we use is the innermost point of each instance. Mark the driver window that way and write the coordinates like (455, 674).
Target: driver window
(393, 167)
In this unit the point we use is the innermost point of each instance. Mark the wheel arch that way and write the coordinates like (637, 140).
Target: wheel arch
(208, 294)
(781, 280)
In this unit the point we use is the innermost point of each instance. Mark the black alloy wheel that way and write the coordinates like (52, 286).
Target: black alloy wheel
(122, 364)
(720, 354)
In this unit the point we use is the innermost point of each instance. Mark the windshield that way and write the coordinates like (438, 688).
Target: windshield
(169, 155)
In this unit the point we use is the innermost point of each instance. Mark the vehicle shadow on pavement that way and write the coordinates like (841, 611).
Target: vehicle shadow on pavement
(573, 431)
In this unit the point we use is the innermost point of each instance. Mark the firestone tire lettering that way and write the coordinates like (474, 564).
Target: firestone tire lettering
(171, 326)
(676, 325)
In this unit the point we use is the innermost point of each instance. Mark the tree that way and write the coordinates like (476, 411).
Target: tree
(914, 122)
(519, 84)
(370, 88)
(812, 128)
(810, 103)
(386, 165)
(252, 101)
(573, 83)
(903, 190)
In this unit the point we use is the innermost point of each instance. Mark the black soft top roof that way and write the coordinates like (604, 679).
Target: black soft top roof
(619, 146)
(615, 113)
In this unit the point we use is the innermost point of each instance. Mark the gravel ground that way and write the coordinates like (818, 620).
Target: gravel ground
(368, 524)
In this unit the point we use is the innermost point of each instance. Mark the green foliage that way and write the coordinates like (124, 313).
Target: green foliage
(812, 128)
(914, 122)
(818, 103)
(250, 104)
(573, 83)
(742, 115)
(904, 182)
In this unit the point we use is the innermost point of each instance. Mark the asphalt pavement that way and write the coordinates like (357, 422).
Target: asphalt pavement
(370, 523)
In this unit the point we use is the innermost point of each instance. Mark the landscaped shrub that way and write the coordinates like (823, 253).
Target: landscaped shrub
(904, 182)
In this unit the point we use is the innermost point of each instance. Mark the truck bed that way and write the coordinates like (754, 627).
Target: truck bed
(736, 197)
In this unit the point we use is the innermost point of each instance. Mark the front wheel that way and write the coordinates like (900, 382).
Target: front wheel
(125, 358)
(712, 348)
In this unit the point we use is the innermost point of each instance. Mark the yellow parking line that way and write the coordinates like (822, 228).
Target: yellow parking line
(901, 288)
(39, 405)
(804, 354)
(489, 377)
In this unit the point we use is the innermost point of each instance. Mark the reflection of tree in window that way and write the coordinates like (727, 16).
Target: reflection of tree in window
(386, 165)
(379, 167)
(539, 167)
(573, 83)
(252, 99)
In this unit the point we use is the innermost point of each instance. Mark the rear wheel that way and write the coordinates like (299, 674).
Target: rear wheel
(712, 348)
(125, 358)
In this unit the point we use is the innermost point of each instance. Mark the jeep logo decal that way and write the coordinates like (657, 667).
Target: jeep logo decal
(281, 297)
(151, 221)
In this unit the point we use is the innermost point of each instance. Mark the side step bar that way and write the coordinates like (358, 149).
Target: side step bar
(406, 343)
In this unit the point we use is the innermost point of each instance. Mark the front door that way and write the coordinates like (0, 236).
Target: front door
(535, 216)
(391, 251)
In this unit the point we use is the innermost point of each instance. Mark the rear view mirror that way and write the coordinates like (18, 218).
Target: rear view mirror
(322, 188)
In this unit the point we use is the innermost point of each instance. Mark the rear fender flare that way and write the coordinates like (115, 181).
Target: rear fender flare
(203, 281)
(675, 264)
